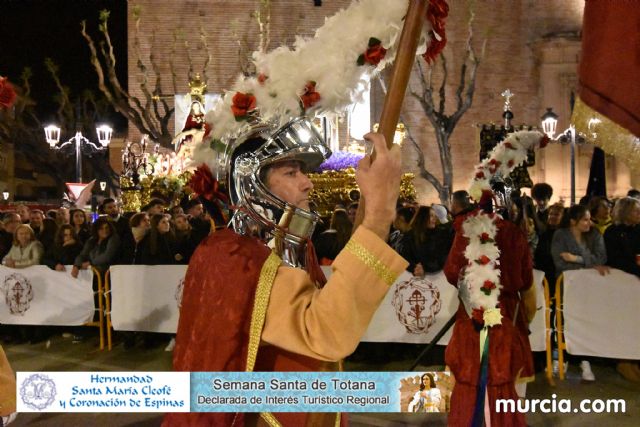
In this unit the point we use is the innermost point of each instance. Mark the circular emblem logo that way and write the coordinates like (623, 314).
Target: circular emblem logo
(416, 302)
(178, 294)
(18, 293)
(38, 391)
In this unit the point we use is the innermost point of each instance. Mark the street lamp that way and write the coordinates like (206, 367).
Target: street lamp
(568, 136)
(5, 196)
(52, 134)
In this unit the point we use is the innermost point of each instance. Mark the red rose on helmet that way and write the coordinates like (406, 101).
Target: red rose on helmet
(375, 54)
(310, 97)
(204, 184)
(242, 104)
(480, 175)
(7, 93)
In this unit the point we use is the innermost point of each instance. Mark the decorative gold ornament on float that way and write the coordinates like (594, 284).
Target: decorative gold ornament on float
(338, 187)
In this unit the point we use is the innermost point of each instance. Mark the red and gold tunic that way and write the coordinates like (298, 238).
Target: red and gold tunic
(242, 311)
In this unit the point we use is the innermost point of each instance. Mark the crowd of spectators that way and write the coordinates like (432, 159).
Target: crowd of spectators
(597, 233)
(74, 238)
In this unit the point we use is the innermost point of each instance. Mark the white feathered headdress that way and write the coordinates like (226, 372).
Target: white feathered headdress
(320, 74)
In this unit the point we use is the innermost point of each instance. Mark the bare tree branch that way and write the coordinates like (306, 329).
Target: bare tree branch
(441, 92)
(442, 123)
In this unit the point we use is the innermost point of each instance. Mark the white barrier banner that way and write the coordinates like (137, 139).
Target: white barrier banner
(38, 295)
(415, 310)
(601, 314)
(146, 298)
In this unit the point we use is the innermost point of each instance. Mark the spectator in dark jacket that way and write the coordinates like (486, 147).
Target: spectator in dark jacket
(542, 259)
(541, 193)
(101, 250)
(10, 222)
(185, 243)
(80, 225)
(426, 246)
(65, 250)
(201, 227)
(622, 239)
(110, 208)
(157, 246)
(131, 244)
(401, 225)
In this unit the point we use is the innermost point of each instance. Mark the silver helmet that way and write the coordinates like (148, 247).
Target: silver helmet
(258, 211)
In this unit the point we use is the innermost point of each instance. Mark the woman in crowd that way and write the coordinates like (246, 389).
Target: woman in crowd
(65, 249)
(101, 249)
(330, 242)
(578, 245)
(80, 225)
(600, 210)
(185, 243)
(522, 214)
(426, 246)
(157, 247)
(542, 259)
(622, 239)
(25, 251)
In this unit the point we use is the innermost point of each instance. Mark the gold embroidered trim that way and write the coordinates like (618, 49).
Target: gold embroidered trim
(270, 419)
(260, 302)
(338, 416)
(381, 270)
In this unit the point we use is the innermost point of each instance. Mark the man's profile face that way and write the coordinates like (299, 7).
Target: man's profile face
(111, 209)
(196, 211)
(287, 181)
(155, 209)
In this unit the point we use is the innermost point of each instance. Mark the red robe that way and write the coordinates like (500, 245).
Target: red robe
(509, 349)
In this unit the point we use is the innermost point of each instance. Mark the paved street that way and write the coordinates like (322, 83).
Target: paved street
(60, 354)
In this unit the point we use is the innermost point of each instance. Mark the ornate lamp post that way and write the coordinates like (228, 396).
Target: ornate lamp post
(5, 196)
(568, 136)
(78, 142)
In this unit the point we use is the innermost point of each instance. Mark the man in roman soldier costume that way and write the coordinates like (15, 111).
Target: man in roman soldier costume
(248, 303)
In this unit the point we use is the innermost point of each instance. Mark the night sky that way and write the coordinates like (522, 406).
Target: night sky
(32, 30)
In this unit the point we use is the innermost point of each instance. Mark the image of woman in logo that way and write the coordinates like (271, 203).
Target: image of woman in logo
(428, 398)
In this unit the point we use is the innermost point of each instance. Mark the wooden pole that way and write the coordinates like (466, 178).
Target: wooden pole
(409, 38)
(400, 74)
